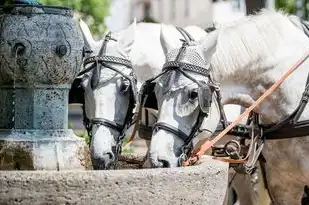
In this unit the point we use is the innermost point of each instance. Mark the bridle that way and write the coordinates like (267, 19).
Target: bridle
(243, 157)
(210, 88)
(105, 61)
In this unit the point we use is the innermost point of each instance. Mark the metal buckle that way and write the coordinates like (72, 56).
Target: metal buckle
(233, 149)
(181, 159)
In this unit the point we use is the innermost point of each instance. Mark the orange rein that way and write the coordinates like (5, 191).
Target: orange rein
(208, 144)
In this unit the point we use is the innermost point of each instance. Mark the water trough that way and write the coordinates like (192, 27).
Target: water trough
(205, 183)
(40, 55)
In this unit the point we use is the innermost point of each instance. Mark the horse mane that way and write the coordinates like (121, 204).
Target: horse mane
(244, 42)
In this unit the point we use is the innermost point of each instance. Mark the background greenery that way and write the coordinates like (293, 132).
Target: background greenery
(289, 6)
(286, 5)
(92, 11)
(95, 11)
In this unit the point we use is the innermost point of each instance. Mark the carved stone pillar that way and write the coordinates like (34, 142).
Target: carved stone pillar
(40, 55)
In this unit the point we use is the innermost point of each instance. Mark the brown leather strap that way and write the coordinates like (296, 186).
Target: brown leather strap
(208, 144)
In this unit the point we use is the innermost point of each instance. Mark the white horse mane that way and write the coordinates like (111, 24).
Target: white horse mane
(251, 55)
(269, 27)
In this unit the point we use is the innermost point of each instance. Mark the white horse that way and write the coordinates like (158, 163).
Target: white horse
(177, 98)
(147, 59)
(248, 56)
(139, 43)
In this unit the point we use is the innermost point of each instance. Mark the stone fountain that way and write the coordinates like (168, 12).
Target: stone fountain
(41, 52)
(40, 55)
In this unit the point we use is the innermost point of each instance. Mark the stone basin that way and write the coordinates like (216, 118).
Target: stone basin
(205, 183)
(41, 53)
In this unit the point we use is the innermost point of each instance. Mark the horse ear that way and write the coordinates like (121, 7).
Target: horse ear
(128, 37)
(168, 38)
(208, 44)
(88, 39)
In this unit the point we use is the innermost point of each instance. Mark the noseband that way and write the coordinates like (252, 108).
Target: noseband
(102, 60)
(182, 68)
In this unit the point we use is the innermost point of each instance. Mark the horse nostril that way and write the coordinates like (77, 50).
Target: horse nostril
(164, 163)
(110, 156)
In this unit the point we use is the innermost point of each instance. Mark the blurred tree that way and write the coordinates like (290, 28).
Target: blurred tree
(147, 13)
(298, 7)
(286, 5)
(94, 11)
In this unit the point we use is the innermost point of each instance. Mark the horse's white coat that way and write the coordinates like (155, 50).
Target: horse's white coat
(175, 107)
(141, 44)
(108, 107)
(252, 54)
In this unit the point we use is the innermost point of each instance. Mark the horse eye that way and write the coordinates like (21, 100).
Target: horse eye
(193, 94)
(124, 86)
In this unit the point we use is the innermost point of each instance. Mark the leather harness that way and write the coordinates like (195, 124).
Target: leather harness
(290, 127)
(176, 65)
(104, 61)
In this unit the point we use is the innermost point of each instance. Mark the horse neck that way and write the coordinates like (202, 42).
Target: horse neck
(147, 55)
(243, 83)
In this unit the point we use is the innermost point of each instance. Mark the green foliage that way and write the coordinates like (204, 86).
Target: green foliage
(149, 20)
(94, 11)
(286, 5)
(84, 135)
(130, 149)
(289, 6)
(70, 126)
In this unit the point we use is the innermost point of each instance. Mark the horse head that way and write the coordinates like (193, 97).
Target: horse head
(186, 96)
(109, 85)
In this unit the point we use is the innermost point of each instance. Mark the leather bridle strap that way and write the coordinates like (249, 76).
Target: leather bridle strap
(106, 61)
(166, 127)
(181, 67)
(208, 144)
(107, 123)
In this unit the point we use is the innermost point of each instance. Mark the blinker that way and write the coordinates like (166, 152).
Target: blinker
(204, 96)
(125, 86)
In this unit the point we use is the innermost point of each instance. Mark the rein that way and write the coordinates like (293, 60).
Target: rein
(208, 144)
(287, 128)
(253, 130)
(102, 60)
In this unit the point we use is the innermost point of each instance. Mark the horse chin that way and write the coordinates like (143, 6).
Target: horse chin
(163, 150)
(157, 161)
(103, 155)
(103, 163)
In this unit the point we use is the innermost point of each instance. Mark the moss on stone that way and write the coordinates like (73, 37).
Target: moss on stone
(83, 155)
(15, 156)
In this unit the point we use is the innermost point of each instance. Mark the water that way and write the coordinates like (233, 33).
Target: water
(14, 86)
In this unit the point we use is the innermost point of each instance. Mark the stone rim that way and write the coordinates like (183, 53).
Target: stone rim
(22, 9)
(205, 183)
